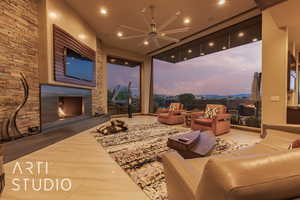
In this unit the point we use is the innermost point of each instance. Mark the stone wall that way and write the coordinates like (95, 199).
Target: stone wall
(99, 93)
(19, 43)
(19, 53)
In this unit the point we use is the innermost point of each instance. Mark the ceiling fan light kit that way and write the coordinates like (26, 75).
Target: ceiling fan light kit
(154, 32)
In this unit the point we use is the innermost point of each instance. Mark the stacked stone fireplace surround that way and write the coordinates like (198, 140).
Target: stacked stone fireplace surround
(19, 52)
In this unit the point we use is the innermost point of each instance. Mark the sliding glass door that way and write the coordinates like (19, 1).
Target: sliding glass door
(123, 86)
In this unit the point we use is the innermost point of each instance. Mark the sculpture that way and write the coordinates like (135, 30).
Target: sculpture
(129, 100)
(9, 128)
(115, 127)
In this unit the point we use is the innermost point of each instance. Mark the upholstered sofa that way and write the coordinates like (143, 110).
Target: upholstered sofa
(219, 124)
(173, 116)
(266, 171)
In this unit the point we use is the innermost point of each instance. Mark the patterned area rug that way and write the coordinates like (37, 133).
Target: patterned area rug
(136, 152)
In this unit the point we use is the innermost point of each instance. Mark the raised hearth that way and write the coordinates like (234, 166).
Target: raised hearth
(62, 105)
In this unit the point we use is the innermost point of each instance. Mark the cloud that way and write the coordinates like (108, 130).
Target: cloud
(224, 73)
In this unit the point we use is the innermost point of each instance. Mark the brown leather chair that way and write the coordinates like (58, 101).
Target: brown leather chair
(173, 116)
(266, 171)
(219, 124)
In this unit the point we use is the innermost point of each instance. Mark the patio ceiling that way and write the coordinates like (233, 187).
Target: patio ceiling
(203, 14)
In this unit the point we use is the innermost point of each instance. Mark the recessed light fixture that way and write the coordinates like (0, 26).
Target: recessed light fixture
(146, 42)
(119, 34)
(172, 56)
(103, 11)
(190, 51)
(126, 63)
(241, 34)
(211, 44)
(186, 20)
(254, 39)
(224, 47)
(53, 15)
(82, 36)
(113, 60)
(221, 2)
(202, 54)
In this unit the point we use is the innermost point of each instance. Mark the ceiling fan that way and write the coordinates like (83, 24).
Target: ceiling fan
(154, 32)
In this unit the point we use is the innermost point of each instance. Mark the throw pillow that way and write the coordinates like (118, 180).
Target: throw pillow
(211, 113)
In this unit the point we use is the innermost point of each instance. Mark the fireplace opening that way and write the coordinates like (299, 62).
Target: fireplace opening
(69, 107)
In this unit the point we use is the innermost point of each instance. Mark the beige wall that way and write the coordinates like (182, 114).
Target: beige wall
(71, 22)
(61, 14)
(274, 70)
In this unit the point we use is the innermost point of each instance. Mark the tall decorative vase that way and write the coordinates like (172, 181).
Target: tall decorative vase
(129, 100)
(9, 127)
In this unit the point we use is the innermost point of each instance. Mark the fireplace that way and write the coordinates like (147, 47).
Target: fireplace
(62, 105)
(69, 107)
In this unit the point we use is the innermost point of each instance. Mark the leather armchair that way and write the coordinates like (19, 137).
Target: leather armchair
(263, 176)
(219, 124)
(173, 116)
(266, 171)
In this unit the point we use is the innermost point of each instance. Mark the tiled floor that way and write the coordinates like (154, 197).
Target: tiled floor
(94, 175)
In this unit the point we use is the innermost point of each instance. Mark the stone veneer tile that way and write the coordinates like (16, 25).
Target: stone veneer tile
(19, 53)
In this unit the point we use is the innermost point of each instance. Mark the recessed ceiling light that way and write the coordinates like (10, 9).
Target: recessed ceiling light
(241, 34)
(82, 36)
(211, 44)
(172, 56)
(254, 39)
(103, 11)
(119, 34)
(202, 54)
(221, 2)
(146, 42)
(224, 47)
(190, 51)
(186, 20)
(126, 63)
(112, 60)
(53, 15)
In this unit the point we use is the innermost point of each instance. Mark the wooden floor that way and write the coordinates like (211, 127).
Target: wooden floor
(94, 175)
(26, 145)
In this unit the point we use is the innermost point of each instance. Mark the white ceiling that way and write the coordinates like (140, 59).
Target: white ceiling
(203, 13)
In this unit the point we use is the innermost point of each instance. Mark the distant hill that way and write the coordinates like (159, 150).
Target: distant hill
(215, 96)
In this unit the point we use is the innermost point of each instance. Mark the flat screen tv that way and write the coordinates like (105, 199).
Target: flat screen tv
(78, 66)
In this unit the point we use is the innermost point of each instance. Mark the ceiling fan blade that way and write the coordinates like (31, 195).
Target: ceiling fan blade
(132, 29)
(169, 39)
(168, 22)
(177, 30)
(156, 42)
(146, 19)
(132, 37)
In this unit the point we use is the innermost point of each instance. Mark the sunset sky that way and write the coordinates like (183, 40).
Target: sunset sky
(227, 72)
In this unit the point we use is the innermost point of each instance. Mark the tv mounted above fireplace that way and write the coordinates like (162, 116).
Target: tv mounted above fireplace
(73, 61)
(78, 66)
